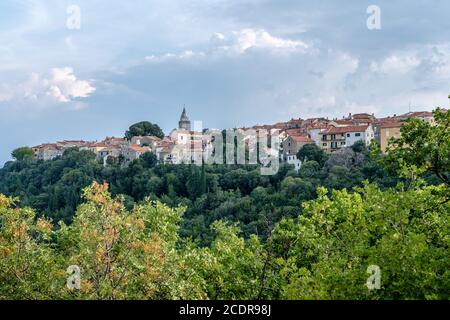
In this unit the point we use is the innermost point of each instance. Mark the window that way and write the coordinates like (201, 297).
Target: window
(325, 144)
(333, 137)
(348, 135)
(342, 142)
(324, 137)
(358, 134)
(334, 145)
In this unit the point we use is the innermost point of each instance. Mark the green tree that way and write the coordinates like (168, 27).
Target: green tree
(359, 146)
(298, 189)
(311, 152)
(309, 169)
(423, 147)
(149, 159)
(22, 153)
(144, 128)
(236, 267)
(126, 254)
(28, 270)
(404, 232)
(203, 184)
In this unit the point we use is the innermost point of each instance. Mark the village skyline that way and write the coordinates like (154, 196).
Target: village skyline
(235, 153)
(191, 143)
(77, 71)
(248, 124)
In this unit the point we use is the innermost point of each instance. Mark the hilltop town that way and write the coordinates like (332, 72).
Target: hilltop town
(183, 144)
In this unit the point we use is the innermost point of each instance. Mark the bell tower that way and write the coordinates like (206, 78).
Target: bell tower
(184, 123)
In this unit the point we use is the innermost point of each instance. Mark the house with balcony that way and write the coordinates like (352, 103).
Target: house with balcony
(335, 139)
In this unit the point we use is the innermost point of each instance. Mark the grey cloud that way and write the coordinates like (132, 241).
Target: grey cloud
(344, 67)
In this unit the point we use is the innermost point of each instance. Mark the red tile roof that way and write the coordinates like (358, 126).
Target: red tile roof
(393, 124)
(299, 138)
(47, 146)
(415, 114)
(319, 126)
(346, 122)
(72, 141)
(346, 129)
(292, 132)
(98, 145)
(138, 148)
(362, 116)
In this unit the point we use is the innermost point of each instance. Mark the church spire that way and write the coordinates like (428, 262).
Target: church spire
(183, 114)
(184, 123)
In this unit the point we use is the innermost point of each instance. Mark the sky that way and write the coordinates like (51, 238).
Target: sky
(86, 69)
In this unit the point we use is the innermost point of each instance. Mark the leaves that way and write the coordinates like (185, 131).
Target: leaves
(145, 234)
(423, 146)
(339, 237)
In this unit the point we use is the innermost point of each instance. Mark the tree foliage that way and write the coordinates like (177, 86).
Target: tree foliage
(22, 153)
(152, 231)
(228, 192)
(323, 254)
(423, 146)
(404, 232)
(311, 152)
(144, 128)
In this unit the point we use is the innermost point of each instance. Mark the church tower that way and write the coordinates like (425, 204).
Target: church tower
(184, 123)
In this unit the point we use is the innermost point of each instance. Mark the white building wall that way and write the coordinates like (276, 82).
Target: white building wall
(370, 135)
(292, 159)
(352, 137)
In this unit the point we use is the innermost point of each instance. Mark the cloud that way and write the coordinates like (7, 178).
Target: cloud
(237, 43)
(438, 60)
(324, 87)
(233, 62)
(430, 61)
(60, 86)
(185, 55)
(396, 64)
(64, 86)
(6, 94)
(418, 75)
(247, 39)
(246, 78)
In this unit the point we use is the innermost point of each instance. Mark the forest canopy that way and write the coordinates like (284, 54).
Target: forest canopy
(152, 231)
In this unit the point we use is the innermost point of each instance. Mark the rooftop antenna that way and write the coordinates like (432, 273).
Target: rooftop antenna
(410, 106)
